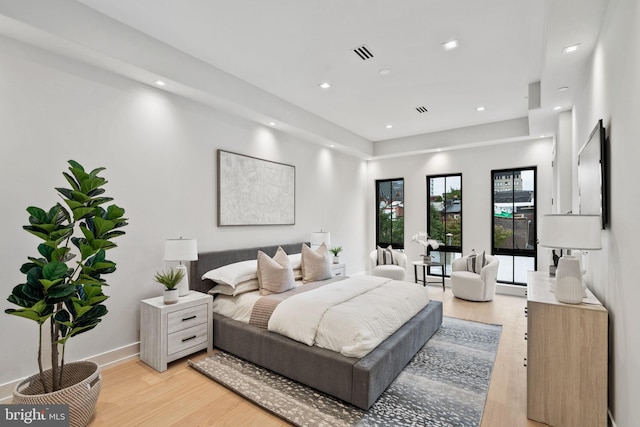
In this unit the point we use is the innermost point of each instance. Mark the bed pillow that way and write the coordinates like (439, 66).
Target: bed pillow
(385, 256)
(241, 288)
(232, 274)
(316, 265)
(481, 261)
(275, 274)
(296, 261)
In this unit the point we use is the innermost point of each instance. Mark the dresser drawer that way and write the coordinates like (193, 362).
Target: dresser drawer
(186, 318)
(182, 340)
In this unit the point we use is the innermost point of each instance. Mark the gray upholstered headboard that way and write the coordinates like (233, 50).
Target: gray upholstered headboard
(210, 260)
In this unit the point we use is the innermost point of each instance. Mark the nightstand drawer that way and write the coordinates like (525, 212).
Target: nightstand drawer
(186, 318)
(182, 340)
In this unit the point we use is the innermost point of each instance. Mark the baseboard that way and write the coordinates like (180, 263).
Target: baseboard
(105, 360)
(514, 290)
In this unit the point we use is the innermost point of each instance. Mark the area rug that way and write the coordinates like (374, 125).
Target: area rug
(445, 384)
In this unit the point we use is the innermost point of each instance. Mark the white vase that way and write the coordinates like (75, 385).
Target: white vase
(336, 259)
(171, 296)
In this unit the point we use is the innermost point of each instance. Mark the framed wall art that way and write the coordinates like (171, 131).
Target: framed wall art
(254, 191)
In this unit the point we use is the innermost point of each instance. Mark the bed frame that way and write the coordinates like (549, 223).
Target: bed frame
(357, 381)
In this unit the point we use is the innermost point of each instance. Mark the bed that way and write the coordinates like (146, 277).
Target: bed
(359, 381)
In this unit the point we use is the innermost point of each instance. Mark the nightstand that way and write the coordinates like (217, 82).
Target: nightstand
(338, 270)
(171, 331)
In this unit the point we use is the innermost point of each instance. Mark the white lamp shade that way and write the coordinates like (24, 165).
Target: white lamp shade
(570, 232)
(180, 250)
(320, 237)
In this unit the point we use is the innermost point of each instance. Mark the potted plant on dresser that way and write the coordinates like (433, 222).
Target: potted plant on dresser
(62, 292)
(170, 280)
(336, 254)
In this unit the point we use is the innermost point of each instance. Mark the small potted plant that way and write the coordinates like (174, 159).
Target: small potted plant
(170, 280)
(336, 252)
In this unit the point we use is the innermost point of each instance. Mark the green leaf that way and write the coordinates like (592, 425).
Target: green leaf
(28, 313)
(34, 275)
(46, 250)
(23, 297)
(88, 234)
(80, 213)
(72, 182)
(60, 293)
(114, 212)
(49, 283)
(86, 250)
(37, 214)
(54, 270)
(102, 226)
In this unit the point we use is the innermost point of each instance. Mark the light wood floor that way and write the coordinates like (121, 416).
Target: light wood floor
(133, 394)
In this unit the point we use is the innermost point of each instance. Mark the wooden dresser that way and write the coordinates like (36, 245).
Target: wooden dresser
(567, 352)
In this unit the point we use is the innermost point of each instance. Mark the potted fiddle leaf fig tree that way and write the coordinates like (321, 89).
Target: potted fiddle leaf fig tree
(62, 289)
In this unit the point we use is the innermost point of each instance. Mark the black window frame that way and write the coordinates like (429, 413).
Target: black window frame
(394, 243)
(443, 247)
(532, 236)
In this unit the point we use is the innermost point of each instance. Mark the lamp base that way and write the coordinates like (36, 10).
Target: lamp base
(569, 280)
(183, 286)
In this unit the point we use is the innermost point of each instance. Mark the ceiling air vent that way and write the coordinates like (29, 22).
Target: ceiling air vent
(422, 109)
(363, 52)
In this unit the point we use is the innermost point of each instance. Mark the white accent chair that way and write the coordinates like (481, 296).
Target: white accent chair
(473, 286)
(392, 271)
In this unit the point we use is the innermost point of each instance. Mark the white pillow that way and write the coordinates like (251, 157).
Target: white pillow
(296, 261)
(316, 265)
(241, 288)
(275, 274)
(232, 274)
(386, 256)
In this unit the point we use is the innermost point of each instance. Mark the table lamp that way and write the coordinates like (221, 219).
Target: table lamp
(181, 250)
(566, 231)
(320, 237)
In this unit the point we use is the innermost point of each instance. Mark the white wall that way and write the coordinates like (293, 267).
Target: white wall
(612, 93)
(477, 186)
(159, 151)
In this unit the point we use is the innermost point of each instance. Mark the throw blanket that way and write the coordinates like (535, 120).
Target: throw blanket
(264, 307)
(352, 316)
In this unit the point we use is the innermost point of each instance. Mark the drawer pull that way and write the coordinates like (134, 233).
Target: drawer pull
(190, 338)
(526, 311)
(189, 318)
(525, 362)
(338, 274)
(525, 336)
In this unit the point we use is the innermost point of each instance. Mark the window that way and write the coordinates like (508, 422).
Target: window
(514, 223)
(444, 221)
(390, 213)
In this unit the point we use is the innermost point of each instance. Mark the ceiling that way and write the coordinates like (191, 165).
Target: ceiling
(288, 47)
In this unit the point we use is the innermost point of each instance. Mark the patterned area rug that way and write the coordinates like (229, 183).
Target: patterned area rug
(445, 384)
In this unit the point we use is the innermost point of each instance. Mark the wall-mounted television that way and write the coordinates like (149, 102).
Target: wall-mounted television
(592, 175)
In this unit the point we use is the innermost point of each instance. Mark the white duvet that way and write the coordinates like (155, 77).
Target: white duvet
(351, 316)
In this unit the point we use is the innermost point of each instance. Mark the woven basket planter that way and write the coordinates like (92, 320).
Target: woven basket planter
(80, 389)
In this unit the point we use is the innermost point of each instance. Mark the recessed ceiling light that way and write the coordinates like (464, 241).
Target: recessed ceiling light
(570, 49)
(389, 126)
(384, 72)
(332, 145)
(563, 88)
(324, 85)
(480, 108)
(450, 45)
(160, 83)
(272, 123)
(557, 107)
